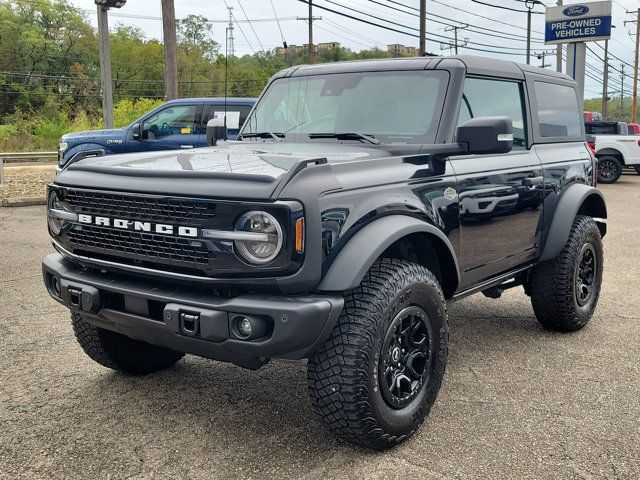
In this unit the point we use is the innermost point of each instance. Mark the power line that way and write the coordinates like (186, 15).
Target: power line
(504, 8)
(475, 14)
(368, 22)
(251, 25)
(448, 39)
(234, 19)
(437, 19)
(284, 42)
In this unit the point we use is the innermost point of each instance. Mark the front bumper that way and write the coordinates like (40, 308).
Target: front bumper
(155, 311)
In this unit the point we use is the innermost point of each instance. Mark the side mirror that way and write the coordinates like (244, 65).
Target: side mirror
(486, 135)
(137, 131)
(215, 132)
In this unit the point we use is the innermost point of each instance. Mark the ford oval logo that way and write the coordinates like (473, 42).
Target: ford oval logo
(575, 10)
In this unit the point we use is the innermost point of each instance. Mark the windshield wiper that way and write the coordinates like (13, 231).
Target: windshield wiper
(347, 136)
(276, 136)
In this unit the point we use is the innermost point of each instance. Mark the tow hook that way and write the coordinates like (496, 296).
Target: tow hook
(190, 323)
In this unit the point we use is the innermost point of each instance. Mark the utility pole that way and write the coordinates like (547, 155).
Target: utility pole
(311, 50)
(622, 92)
(310, 20)
(423, 28)
(542, 56)
(105, 67)
(559, 50)
(455, 29)
(105, 57)
(634, 99)
(170, 50)
(605, 81)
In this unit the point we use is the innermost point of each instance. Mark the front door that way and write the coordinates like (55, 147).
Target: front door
(500, 196)
(173, 128)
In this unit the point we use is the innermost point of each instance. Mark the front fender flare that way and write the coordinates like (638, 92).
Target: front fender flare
(83, 147)
(357, 256)
(577, 199)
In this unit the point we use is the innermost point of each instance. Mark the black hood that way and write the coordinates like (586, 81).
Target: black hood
(247, 169)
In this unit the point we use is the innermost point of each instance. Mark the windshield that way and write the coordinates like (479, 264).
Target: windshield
(393, 107)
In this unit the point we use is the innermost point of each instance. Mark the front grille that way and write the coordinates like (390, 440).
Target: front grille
(170, 253)
(172, 211)
(141, 245)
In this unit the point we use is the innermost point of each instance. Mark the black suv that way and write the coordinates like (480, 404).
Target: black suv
(360, 198)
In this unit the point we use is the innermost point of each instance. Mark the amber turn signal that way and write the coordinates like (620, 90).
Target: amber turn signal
(300, 235)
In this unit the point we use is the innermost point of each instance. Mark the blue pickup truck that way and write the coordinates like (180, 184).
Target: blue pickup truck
(177, 124)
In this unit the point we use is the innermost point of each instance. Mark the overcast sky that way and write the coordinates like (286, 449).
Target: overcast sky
(357, 35)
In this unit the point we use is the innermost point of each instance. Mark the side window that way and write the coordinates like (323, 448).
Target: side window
(558, 110)
(177, 120)
(491, 98)
(243, 110)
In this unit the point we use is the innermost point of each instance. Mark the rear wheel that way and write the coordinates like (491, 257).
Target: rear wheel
(637, 169)
(565, 290)
(609, 169)
(119, 352)
(375, 379)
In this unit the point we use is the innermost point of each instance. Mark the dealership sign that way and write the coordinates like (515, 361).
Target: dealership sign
(578, 23)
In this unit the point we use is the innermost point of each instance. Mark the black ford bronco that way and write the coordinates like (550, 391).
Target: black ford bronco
(360, 198)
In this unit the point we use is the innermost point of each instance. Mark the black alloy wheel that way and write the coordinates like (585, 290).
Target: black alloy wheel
(586, 274)
(406, 355)
(609, 169)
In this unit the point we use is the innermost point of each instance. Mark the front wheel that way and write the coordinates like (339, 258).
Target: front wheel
(637, 169)
(375, 379)
(609, 169)
(565, 290)
(118, 352)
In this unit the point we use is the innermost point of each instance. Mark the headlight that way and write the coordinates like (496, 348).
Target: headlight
(63, 146)
(57, 214)
(263, 240)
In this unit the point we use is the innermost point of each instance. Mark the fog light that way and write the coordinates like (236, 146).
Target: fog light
(249, 327)
(245, 328)
(55, 286)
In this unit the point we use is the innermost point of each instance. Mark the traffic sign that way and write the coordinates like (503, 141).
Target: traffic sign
(578, 23)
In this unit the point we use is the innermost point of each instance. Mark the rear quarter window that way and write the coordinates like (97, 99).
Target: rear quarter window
(559, 114)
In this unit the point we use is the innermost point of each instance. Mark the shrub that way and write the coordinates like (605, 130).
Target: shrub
(126, 111)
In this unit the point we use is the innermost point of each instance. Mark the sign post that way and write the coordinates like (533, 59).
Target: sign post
(576, 24)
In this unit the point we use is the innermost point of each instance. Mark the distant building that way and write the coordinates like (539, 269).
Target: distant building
(399, 49)
(296, 49)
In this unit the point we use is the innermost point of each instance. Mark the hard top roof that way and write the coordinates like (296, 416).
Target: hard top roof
(474, 65)
(246, 100)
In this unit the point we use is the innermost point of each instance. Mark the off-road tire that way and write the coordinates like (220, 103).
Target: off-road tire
(553, 284)
(344, 386)
(612, 166)
(637, 169)
(119, 352)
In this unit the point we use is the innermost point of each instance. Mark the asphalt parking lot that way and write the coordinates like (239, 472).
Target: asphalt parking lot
(517, 402)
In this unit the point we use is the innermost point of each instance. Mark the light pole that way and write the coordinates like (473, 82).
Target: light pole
(105, 58)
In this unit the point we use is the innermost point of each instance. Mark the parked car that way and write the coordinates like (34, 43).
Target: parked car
(634, 128)
(360, 198)
(614, 148)
(592, 116)
(177, 124)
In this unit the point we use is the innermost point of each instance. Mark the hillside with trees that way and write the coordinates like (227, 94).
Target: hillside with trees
(50, 71)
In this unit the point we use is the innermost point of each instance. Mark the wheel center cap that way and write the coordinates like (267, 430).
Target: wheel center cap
(395, 354)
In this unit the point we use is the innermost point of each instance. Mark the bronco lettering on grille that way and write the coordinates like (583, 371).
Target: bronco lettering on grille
(139, 226)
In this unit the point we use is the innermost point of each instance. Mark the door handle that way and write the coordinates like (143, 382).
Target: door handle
(531, 181)
(186, 146)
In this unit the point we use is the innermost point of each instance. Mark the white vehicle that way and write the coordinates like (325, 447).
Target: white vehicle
(614, 148)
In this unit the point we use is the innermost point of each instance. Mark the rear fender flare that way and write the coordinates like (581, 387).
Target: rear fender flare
(366, 246)
(578, 199)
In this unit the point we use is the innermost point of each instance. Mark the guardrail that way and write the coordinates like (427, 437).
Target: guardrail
(19, 157)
